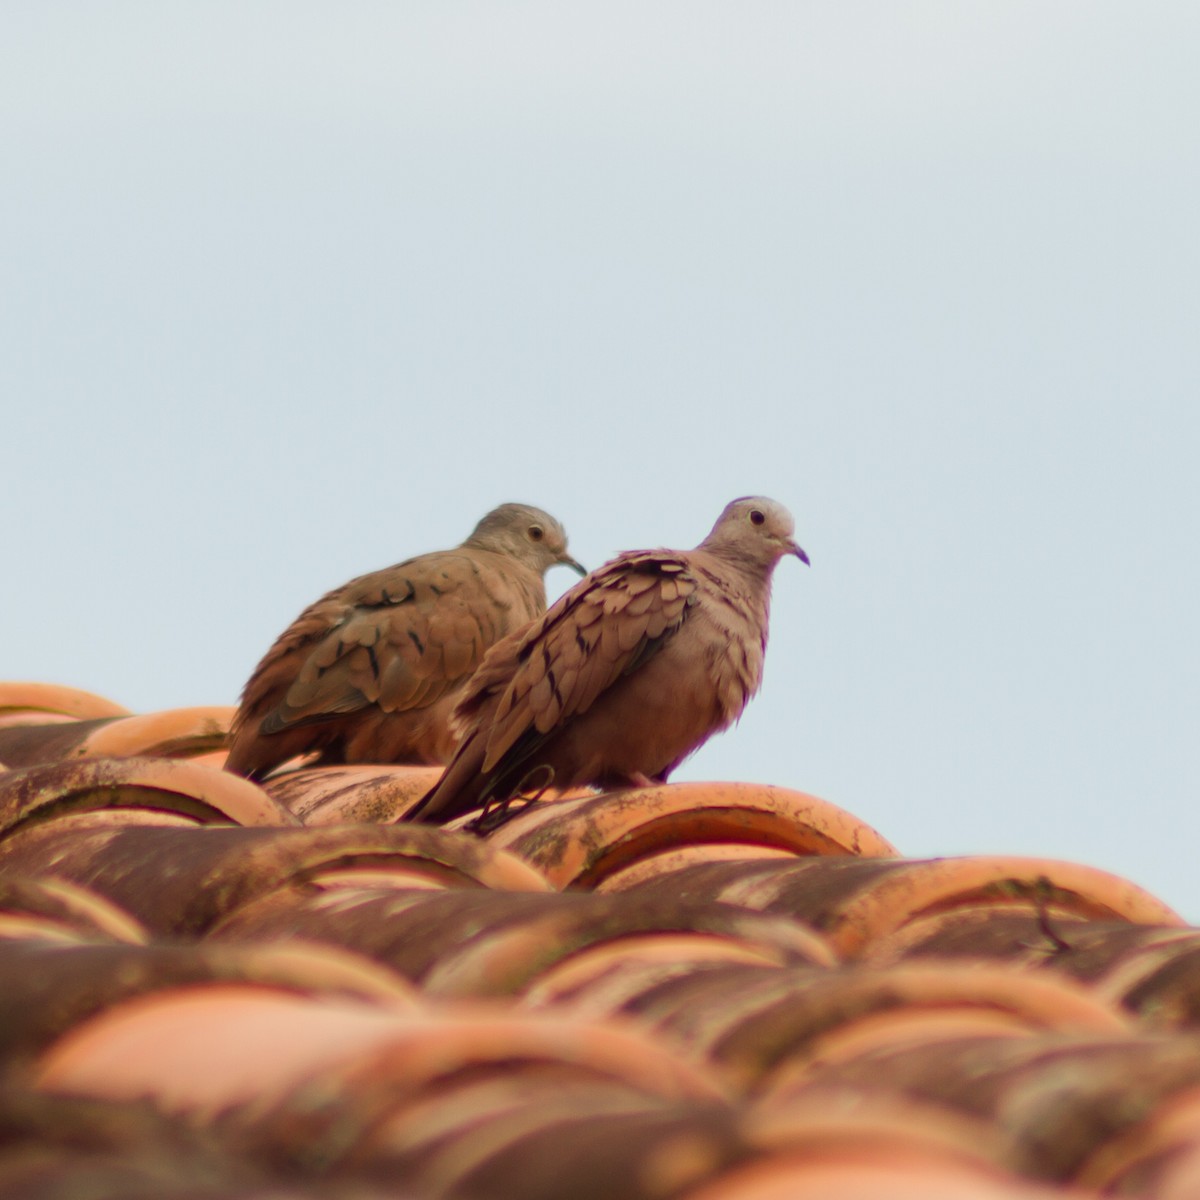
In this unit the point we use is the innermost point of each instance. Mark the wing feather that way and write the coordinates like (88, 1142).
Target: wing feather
(400, 638)
(586, 641)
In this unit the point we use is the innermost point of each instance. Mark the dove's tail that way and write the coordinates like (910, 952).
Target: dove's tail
(459, 790)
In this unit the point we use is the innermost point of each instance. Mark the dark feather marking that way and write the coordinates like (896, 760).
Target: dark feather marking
(729, 602)
(341, 646)
(550, 676)
(388, 600)
(416, 641)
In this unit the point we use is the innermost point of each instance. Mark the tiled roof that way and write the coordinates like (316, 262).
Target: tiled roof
(216, 990)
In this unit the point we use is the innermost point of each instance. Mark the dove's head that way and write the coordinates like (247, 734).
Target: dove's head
(755, 530)
(530, 535)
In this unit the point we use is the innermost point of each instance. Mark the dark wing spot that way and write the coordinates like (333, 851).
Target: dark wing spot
(337, 656)
(552, 679)
(388, 599)
(416, 641)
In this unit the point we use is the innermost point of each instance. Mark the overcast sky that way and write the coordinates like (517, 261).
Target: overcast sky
(294, 290)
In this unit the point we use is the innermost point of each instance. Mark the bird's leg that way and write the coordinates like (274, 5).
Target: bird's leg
(495, 813)
(480, 824)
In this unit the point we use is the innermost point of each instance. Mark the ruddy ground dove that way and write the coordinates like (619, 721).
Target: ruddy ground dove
(371, 671)
(626, 674)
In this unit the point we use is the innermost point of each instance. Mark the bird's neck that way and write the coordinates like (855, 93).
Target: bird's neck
(755, 572)
(746, 583)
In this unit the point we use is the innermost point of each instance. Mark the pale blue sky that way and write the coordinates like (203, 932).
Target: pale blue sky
(294, 290)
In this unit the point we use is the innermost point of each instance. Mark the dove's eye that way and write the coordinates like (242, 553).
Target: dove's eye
(536, 533)
(757, 517)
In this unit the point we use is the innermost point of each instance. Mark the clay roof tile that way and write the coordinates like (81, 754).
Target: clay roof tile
(683, 992)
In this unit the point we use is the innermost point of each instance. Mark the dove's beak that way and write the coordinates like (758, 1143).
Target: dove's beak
(798, 551)
(567, 561)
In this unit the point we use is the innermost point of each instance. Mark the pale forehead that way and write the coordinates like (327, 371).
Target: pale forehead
(520, 514)
(775, 512)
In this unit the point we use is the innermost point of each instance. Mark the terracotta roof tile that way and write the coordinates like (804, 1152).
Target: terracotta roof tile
(587, 841)
(52, 987)
(685, 992)
(56, 1147)
(871, 1172)
(818, 1123)
(487, 943)
(175, 733)
(550, 1149)
(337, 795)
(52, 908)
(114, 791)
(26, 741)
(41, 701)
(210, 873)
(1062, 1098)
(1159, 1153)
(857, 903)
(262, 1047)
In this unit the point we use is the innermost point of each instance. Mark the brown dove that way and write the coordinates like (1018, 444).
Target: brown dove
(626, 674)
(371, 671)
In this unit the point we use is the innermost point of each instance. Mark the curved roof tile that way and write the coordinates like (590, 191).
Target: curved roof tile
(341, 795)
(214, 872)
(690, 992)
(133, 789)
(51, 907)
(858, 902)
(32, 698)
(173, 733)
(582, 842)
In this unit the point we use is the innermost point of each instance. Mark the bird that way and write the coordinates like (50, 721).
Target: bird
(371, 671)
(624, 676)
